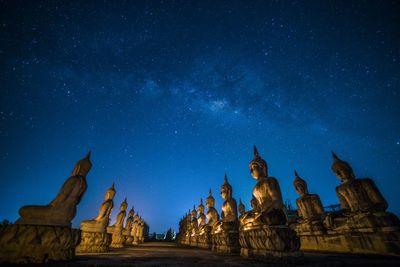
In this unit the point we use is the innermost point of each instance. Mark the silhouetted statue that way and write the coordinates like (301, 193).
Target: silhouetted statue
(62, 209)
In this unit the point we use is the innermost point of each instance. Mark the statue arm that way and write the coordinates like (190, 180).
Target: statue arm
(318, 206)
(275, 193)
(375, 195)
(343, 202)
(65, 191)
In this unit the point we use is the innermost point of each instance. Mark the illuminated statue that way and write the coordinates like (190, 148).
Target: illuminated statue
(225, 236)
(128, 227)
(363, 205)
(117, 237)
(62, 209)
(201, 220)
(309, 207)
(264, 230)
(100, 223)
(212, 213)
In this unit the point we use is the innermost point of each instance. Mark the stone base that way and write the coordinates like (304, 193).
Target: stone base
(226, 242)
(128, 240)
(193, 241)
(118, 239)
(204, 241)
(383, 241)
(37, 243)
(93, 242)
(269, 242)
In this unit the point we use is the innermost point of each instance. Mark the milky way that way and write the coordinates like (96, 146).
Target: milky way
(171, 95)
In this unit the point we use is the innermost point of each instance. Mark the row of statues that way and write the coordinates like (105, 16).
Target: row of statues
(362, 226)
(98, 236)
(44, 233)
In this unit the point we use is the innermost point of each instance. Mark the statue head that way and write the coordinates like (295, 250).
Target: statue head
(210, 201)
(300, 185)
(124, 205)
(342, 169)
(226, 189)
(241, 207)
(83, 166)
(200, 208)
(136, 217)
(194, 212)
(110, 194)
(253, 202)
(258, 166)
(131, 212)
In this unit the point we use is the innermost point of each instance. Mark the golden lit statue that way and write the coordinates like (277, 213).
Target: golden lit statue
(193, 224)
(201, 220)
(269, 208)
(363, 205)
(62, 209)
(229, 208)
(241, 208)
(117, 237)
(100, 223)
(309, 207)
(212, 213)
(264, 230)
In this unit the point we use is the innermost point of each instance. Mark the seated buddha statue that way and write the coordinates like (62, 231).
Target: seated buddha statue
(212, 213)
(62, 209)
(201, 219)
(100, 223)
(363, 205)
(193, 223)
(129, 220)
(229, 217)
(241, 208)
(119, 223)
(268, 208)
(135, 224)
(309, 207)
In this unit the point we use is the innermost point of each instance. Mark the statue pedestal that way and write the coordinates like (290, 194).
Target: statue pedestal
(136, 240)
(277, 243)
(118, 239)
(92, 242)
(204, 238)
(21, 243)
(382, 241)
(227, 242)
(193, 240)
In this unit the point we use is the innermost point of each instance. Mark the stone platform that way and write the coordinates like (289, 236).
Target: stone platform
(37, 243)
(386, 241)
(172, 255)
(94, 242)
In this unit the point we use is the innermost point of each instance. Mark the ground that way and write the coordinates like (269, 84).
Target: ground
(173, 255)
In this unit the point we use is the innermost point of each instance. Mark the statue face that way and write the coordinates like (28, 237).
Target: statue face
(225, 192)
(255, 170)
(109, 195)
(123, 207)
(301, 189)
(343, 174)
(200, 209)
(209, 203)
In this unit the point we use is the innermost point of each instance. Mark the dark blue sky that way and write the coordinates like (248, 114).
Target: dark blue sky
(170, 95)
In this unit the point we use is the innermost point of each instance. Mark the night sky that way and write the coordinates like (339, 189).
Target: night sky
(170, 95)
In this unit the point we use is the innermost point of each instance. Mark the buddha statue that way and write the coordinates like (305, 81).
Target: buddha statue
(121, 215)
(264, 230)
(241, 208)
(201, 220)
(135, 228)
(117, 229)
(62, 209)
(269, 208)
(229, 208)
(212, 213)
(129, 220)
(363, 205)
(193, 224)
(309, 207)
(100, 223)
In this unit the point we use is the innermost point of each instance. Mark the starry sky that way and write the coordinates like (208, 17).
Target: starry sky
(171, 95)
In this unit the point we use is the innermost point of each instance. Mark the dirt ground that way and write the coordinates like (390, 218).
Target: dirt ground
(172, 255)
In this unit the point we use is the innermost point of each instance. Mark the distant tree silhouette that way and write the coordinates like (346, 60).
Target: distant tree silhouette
(5, 222)
(169, 236)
